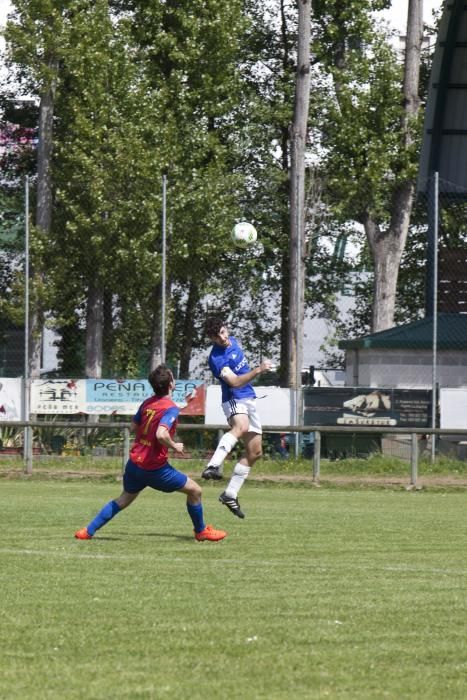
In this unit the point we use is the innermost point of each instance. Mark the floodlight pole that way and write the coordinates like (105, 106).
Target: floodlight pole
(164, 263)
(299, 308)
(435, 312)
(27, 433)
(26, 280)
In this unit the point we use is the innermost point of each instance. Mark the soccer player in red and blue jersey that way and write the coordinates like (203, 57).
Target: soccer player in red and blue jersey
(155, 423)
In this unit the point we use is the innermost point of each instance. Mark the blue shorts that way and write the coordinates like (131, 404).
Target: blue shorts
(165, 479)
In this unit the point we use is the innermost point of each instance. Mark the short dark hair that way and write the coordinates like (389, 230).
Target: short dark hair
(160, 379)
(213, 325)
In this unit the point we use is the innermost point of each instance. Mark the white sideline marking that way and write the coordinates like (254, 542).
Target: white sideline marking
(79, 555)
(134, 557)
(246, 562)
(404, 567)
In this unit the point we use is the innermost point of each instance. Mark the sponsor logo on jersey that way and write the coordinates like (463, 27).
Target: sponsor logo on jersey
(241, 364)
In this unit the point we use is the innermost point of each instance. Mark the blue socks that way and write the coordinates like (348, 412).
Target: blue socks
(196, 515)
(103, 517)
(111, 509)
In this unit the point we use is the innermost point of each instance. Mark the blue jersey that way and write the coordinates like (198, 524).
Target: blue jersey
(233, 358)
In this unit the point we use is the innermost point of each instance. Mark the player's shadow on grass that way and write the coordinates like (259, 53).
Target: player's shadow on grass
(121, 536)
(164, 535)
(107, 538)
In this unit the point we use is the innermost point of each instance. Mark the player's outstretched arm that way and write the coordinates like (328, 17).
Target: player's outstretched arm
(238, 380)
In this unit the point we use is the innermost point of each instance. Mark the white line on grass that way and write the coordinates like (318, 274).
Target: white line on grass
(85, 555)
(244, 562)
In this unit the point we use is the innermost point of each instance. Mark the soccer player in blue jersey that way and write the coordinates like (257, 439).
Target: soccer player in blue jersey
(155, 423)
(229, 365)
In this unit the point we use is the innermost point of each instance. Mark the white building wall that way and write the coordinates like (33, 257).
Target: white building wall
(405, 369)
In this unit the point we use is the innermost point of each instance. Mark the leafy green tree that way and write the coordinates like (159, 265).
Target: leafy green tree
(203, 92)
(107, 209)
(36, 35)
(191, 53)
(16, 161)
(371, 120)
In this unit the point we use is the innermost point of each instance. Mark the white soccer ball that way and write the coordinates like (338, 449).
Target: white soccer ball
(244, 234)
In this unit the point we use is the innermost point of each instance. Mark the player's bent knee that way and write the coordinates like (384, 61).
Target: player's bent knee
(239, 432)
(239, 425)
(125, 499)
(252, 457)
(193, 489)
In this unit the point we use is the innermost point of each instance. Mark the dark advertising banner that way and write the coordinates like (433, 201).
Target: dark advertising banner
(404, 408)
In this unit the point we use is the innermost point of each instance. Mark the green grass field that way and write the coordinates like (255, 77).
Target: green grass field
(318, 593)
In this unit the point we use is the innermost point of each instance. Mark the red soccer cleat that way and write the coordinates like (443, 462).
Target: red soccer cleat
(210, 534)
(83, 534)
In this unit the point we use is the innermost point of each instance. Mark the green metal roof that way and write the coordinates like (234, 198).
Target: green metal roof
(452, 335)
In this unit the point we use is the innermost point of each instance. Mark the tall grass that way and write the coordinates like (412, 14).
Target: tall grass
(376, 465)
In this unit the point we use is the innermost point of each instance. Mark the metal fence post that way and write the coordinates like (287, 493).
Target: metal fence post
(28, 449)
(414, 460)
(317, 457)
(126, 447)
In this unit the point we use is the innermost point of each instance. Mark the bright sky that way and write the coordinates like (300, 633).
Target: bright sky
(397, 15)
(5, 6)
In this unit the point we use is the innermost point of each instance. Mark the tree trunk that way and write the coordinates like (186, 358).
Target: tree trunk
(413, 49)
(94, 331)
(43, 215)
(297, 197)
(387, 247)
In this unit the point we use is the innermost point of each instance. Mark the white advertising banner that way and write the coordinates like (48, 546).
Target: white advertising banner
(120, 397)
(124, 396)
(57, 396)
(273, 404)
(11, 405)
(453, 409)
